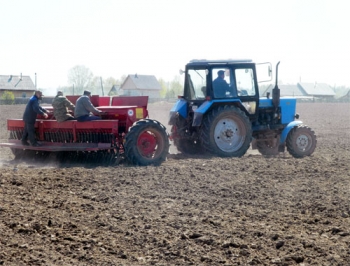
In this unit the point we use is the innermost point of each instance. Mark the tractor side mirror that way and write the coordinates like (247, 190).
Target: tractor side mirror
(264, 72)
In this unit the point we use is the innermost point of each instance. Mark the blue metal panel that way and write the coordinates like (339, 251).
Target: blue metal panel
(264, 102)
(180, 107)
(287, 129)
(204, 107)
(288, 107)
(198, 114)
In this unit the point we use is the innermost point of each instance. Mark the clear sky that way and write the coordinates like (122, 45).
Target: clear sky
(311, 38)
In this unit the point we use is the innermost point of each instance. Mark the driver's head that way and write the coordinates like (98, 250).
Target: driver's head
(221, 73)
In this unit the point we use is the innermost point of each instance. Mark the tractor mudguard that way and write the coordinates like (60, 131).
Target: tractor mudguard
(199, 113)
(287, 129)
(180, 107)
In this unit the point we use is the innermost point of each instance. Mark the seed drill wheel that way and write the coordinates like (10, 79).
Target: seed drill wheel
(146, 143)
(301, 141)
(226, 131)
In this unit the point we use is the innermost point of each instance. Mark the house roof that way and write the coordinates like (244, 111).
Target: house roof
(286, 90)
(115, 88)
(141, 82)
(342, 93)
(290, 90)
(317, 89)
(10, 82)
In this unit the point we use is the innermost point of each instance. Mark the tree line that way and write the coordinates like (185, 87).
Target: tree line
(81, 78)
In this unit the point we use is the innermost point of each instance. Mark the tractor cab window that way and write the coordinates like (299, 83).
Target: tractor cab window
(196, 84)
(222, 83)
(245, 82)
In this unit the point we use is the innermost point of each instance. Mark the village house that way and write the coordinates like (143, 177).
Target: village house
(303, 90)
(141, 85)
(20, 86)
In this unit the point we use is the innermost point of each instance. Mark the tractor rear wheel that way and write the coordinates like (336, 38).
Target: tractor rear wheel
(226, 131)
(146, 143)
(301, 141)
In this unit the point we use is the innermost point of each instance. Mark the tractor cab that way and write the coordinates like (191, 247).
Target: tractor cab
(233, 81)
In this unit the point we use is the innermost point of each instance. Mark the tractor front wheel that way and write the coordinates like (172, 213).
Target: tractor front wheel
(301, 141)
(146, 143)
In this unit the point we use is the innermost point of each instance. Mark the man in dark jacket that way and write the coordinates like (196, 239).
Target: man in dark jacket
(29, 117)
(220, 86)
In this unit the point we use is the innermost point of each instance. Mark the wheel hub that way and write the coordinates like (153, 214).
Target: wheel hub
(147, 143)
(302, 142)
(228, 134)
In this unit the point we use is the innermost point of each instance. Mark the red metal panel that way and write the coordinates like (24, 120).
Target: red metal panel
(15, 123)
(73, 98)
(73, 126)
(57, 146)
(94, 99)
(97, 124)
(140, 101)
(45, 124)
(104, 101)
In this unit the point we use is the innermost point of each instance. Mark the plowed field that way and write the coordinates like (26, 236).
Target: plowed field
(188, 211)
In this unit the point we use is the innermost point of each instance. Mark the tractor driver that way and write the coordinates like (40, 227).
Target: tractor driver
(84, 108)
(220, 86)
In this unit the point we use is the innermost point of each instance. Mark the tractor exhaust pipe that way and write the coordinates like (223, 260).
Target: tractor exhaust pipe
(276, 91)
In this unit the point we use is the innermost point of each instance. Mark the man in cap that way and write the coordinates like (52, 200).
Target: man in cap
(220, 86)
(61, 106)
(29, 117)
(84, 108)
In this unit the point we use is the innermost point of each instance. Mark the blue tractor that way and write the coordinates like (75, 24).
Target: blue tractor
(222, 113)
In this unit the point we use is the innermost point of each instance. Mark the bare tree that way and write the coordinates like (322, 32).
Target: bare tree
(164, 86)
(109, 83)
(80, 77)
(176, 88)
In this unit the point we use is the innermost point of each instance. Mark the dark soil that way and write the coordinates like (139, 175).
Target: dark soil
(188, 211)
